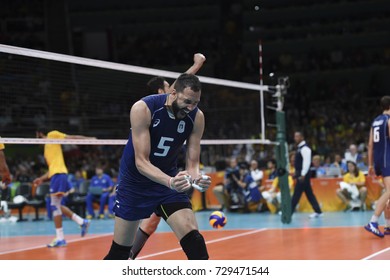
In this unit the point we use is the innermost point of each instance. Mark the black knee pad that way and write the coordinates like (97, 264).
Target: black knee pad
(118, 252)
(194, 246)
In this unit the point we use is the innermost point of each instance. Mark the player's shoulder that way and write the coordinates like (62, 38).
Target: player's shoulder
(155, 99)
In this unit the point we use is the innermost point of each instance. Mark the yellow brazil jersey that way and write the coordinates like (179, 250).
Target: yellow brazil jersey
(351, 179)
(275, 182)
(53, 154)
(1, 145)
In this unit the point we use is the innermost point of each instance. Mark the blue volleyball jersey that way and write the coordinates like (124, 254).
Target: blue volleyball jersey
(381, 141)
(103, 182)
(167, 137)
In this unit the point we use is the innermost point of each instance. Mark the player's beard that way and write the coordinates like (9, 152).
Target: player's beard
(177, 112)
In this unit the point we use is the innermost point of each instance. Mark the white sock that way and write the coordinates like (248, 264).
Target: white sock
(374, 219)
(77, 219)
(388, 222)
(60, 233)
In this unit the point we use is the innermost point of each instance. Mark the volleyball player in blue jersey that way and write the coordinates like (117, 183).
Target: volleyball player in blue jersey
(379, 154)
(149, 182)
(148, 226)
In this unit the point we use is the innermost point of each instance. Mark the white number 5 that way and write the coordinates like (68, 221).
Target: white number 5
(376, 134)
(162, 145)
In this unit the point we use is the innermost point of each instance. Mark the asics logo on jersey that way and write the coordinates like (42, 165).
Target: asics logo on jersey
(156, 123)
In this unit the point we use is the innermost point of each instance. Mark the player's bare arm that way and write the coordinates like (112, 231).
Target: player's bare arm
(4, 171)
(140, 118)
(199, 59)
(78, 137)
(41, 179)
(370, 154)
(193, 152)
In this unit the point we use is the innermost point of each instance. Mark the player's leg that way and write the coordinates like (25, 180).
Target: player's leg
(146, 229)
(372, 226)
(89, 203)
(83, 223)
(124, 235)
(181, 219)
(111, 202)
(342, 193)
(387, 218)
(312, 199)
(48, 207)
(55, 205)
(297, 195)
(102, 203)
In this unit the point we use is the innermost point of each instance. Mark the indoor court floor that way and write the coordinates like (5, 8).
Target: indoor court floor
(254, 236)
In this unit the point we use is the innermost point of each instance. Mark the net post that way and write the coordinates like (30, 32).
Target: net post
(282, 159)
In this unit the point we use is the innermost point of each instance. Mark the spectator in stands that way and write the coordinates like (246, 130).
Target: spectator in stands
(352, 191)
(352, 154)
(273, 195)
(271, 169)
(317, 170)
(249, 195)
(340, 164)
(256, 173)
(223, 192)
(100, 188)
(362, 164)
(76, 179)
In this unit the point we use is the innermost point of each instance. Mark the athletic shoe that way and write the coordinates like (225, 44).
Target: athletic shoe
(90, 217)
(387, 230)
(373, 228)
(57, 243)
(101, 216)
(84, 227)
(111, 216)
(316, 215)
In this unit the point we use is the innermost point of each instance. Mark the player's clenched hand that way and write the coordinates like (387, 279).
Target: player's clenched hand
(203, 182)
(181, 182)
(199, 58)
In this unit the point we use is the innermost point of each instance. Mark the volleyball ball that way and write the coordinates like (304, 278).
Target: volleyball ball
(217, 219)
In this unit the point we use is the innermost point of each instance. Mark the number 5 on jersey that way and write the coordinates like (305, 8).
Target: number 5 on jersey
(163, 146)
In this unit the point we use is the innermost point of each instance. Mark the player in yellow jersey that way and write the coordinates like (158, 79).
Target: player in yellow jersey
(58, 184)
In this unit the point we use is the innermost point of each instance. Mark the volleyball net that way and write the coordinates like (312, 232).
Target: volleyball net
(93, 97)
(90, 97)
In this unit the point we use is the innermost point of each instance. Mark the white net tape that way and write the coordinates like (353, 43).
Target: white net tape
(123, 142)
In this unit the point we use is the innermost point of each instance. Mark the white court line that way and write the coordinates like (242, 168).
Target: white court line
(376, 254)
(207, 242)
(45, 246)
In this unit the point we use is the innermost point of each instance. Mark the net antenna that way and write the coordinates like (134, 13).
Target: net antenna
(262, 117)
